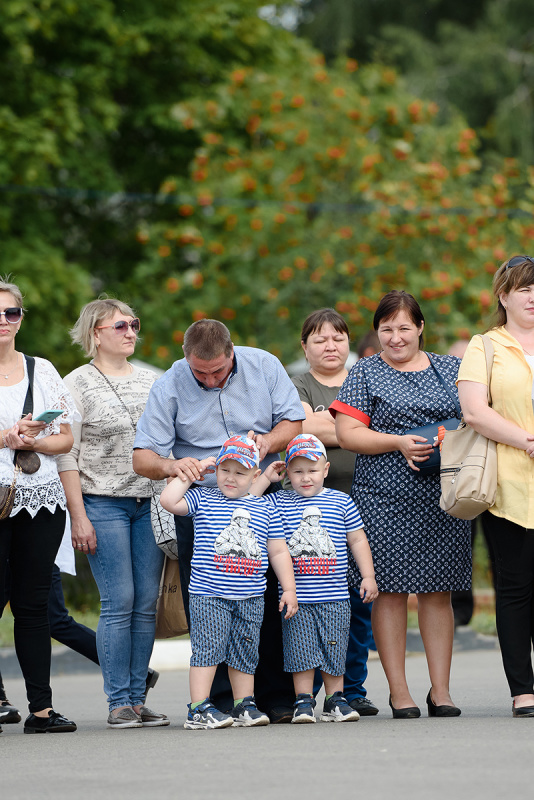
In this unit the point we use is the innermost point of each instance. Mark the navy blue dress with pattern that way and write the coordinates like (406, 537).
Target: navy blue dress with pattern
(416, 546)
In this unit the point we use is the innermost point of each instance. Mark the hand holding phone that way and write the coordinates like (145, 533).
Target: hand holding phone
(49, 416)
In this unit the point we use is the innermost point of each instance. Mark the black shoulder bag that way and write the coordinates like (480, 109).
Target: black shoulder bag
(434, 432)
(23, 460)
(27, 461)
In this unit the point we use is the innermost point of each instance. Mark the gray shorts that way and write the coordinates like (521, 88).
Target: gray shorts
(317, 636)
(225, 631)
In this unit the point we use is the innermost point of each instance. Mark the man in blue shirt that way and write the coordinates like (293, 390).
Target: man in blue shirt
(218, 391)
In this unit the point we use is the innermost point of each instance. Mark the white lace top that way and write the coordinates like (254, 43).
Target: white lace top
(43, 488)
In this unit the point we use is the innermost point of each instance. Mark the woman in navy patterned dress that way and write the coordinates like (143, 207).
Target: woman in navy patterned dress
(416, 547)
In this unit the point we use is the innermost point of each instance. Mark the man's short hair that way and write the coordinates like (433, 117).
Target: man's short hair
(207, 339)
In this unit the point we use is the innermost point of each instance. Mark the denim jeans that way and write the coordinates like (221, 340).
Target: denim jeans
(127, 568)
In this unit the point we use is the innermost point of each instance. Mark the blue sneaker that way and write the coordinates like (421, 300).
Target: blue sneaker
(206, 716)
(303, 709)
(246, 714)
(336, 709)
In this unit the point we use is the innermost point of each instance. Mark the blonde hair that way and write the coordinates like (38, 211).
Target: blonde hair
(12, 288)
(93, 314)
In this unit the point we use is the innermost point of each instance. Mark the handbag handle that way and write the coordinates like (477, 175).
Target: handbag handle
(448, 391)
(488, 353)
(28, 402)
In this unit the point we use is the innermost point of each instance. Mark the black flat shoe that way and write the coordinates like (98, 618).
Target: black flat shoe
(412, 712)
(364, 707)
(8, 713)
(441, 711)
(280, 715)
(151, 680)
(54, 723)
(522, 711)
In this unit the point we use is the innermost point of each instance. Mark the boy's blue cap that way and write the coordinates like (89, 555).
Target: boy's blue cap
(241, 449)
(305, 445)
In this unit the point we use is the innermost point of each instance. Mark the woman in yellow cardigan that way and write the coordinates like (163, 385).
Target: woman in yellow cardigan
(510, 422)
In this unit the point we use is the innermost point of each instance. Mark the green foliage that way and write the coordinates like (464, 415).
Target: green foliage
(86, 134)
(196, 160)
(326, 187)
(474, 57)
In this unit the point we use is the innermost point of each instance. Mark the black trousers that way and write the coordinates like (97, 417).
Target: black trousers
(63, 627)
(272, 686)
(513, 549)
(30, 546)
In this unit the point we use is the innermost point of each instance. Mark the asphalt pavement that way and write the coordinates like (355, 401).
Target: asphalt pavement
(485, 753)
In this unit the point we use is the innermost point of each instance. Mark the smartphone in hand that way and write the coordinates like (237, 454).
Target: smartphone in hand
(49, 416)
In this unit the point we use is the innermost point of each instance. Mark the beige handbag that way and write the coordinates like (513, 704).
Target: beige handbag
(170, 614)
(469, 464)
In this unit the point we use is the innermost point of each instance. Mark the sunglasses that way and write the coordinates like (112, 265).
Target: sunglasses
(517, 260)
(121, 327)
(12, 315)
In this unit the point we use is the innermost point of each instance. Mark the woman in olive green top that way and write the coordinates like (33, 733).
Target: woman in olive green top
(325, 341)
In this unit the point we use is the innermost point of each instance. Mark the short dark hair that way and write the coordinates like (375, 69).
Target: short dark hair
(396, 301)
(369, 340)
(207, 339)
(508, 278)
(315, 321)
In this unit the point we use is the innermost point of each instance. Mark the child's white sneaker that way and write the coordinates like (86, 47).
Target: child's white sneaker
(246, 714)
(336, 709)
(304, 705)
(206, 716)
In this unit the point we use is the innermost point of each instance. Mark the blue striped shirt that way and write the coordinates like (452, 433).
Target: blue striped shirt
(230, 548)
(183, 417)
(318, 542)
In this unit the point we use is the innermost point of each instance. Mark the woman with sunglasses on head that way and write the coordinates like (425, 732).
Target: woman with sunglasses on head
(31, 531)
(509, 421)
(109, 505)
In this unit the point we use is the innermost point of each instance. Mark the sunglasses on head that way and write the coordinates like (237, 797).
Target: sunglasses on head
(517, 260)
(12, 315)
(122, 325)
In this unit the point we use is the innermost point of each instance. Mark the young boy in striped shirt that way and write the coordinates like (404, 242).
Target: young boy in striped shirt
(319, 523)
(236, 534)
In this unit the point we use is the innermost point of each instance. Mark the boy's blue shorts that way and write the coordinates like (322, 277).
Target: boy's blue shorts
(225, 631)
(317, 636)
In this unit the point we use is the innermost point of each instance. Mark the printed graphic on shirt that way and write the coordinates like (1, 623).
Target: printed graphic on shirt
(230, 547)
(316, 531)
(236, 547)
(310, 539)
(311, 547)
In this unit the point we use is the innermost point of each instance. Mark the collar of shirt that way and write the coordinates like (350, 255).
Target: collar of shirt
(502, 336)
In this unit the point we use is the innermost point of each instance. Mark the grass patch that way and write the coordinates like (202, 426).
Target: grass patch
(88, 618)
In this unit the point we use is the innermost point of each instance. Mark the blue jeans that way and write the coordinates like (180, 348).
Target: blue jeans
(127, 568)
(360, 640)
